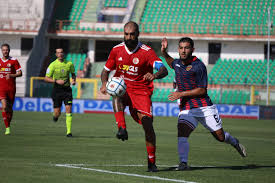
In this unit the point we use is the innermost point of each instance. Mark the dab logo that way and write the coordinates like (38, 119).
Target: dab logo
(135, 60)
(189, 67)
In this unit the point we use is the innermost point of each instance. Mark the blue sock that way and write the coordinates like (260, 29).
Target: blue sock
(229, 139)
(183, 149)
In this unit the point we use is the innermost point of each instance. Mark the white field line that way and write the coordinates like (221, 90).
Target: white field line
(118, 165)
(122, 173)
(140, 165)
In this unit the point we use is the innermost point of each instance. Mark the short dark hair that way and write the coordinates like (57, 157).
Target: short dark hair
(187, 39)
(132, 23)
(5, 44)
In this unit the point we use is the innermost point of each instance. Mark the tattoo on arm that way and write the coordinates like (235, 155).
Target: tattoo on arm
(161, 73)
(104, 76)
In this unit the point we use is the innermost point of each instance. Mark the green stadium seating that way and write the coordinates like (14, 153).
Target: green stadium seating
(242, 72)
(70, 10)
(234, 17)
(116, 3)
(229, 96)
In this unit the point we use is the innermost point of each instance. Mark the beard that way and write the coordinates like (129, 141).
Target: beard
(131, 43)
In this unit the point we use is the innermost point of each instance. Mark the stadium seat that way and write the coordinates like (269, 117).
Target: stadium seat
(203, 17)
(230, 72)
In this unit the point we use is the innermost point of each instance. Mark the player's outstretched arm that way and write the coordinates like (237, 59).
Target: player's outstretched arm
(104, 79)
(162, 72)
(196, 92)
(164, 46)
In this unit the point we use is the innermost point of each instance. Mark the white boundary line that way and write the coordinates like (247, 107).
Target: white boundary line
(122, 173)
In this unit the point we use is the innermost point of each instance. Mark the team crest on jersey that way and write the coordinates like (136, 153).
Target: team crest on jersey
(135, 60)
(189, 67)
(8, 65)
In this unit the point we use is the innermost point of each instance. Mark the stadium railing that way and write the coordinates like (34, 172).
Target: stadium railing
(38, 88)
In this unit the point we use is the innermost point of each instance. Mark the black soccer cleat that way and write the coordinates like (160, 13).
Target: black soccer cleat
(69, 135)
(122, 134)
(183, 166)
(152, 167)
(55, 119)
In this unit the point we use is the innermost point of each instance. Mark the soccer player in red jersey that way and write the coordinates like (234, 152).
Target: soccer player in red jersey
(9, 70)
(195, 104)
(135, 62)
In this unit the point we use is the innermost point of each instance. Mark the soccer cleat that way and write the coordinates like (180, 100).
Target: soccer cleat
(69, 135)
(55, 119)
(183, 166)
(241, 149)
(122, 134)
(152, 167)
(8, 132)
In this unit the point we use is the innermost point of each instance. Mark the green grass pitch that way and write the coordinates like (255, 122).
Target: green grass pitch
(37, 145)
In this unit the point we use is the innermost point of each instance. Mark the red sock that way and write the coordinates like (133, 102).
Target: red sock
(120, 119)
(5, 118)
(151, 151)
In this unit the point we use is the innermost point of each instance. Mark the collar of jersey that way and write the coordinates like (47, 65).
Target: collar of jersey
(61, 62)
(131, 52)
(193, 60)
(6, 60)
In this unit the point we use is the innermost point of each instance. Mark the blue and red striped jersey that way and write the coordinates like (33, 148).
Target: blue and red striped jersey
(190, 76)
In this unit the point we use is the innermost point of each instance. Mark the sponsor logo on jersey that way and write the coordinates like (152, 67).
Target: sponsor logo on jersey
(189, 67)
(120, 59)
(130, 69)
(135, 60)
(5, 69)
(177, 65)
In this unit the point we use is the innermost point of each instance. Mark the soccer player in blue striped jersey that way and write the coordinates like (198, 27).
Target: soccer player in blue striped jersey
(195, 105)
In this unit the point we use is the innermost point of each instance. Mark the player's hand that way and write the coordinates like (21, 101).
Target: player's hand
(164, 44)
(174, 96)
(103, 89)
(149, 77)
(73, 82)
(60, 82)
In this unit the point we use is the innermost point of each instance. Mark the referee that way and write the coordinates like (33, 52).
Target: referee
(58, 73)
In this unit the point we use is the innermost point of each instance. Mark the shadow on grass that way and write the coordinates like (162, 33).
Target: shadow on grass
(245, 167)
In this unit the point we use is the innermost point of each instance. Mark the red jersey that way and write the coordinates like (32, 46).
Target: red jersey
(133, 65)
(9, 66)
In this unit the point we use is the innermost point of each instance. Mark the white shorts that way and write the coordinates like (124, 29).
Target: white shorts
(207, 116)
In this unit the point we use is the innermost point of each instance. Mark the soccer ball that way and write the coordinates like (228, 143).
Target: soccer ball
(116, 86)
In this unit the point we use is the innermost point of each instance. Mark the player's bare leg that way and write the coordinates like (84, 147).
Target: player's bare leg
(223, 136)
(150, 139)
(56, 113)
(69, 120)
(119, 107)
(6, 115)
(184, 132)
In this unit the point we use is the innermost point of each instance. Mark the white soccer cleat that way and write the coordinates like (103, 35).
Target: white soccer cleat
(241, 149)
